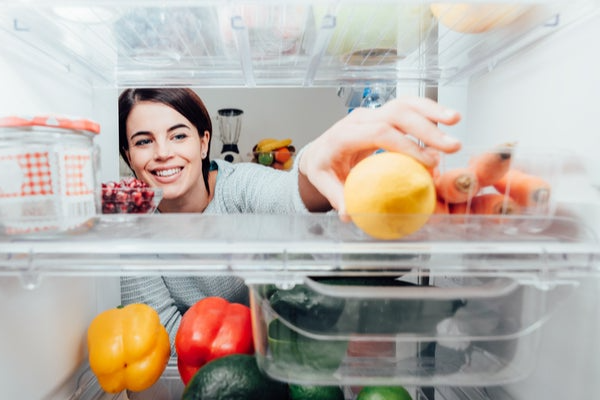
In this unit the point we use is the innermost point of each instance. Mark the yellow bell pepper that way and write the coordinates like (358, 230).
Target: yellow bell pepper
(128, 348)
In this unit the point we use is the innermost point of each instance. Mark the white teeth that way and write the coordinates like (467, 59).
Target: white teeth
(167, 172)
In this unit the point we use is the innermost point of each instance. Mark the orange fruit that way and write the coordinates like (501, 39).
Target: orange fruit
(282, 155)
(476, 18)
(389, 195)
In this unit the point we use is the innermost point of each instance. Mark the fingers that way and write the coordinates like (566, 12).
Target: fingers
(392, 141)
(332, 188)
(428, 108)
(401, 123)
(418, 117)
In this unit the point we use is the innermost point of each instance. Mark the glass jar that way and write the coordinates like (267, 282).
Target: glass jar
(49, 174)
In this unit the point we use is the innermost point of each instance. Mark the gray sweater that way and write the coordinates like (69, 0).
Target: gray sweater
(240, 188)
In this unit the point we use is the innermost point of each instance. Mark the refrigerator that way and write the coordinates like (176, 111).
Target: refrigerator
(518, 71)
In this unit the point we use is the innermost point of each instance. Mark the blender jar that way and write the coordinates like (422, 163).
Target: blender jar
(230, 126)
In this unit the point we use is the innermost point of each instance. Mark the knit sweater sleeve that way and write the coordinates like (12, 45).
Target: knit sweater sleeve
(254, 188)
(153, 291)
(171, 296)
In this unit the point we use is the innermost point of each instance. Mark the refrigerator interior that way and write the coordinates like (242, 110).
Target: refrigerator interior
(534, 83)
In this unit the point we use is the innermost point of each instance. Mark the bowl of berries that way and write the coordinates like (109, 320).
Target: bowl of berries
(129, 196)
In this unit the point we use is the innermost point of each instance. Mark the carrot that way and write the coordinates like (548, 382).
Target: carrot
(456, 185)
(441, 207)
(434, 171)
(493, 204)
(459, 208)
(525, 189)
(461, 211)
(491, 166)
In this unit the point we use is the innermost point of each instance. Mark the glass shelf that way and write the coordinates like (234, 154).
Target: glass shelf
(279, 248)
(170, 386)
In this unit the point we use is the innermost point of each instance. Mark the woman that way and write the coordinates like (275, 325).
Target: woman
(165, 137)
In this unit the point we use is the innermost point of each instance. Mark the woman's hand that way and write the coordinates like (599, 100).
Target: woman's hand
(397, 126)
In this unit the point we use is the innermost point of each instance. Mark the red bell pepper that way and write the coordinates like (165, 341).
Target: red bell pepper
(212, 328)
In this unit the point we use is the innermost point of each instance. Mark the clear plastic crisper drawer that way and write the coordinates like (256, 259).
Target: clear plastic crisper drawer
(467, 331)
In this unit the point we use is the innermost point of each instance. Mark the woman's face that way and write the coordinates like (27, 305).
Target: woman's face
(165, 149)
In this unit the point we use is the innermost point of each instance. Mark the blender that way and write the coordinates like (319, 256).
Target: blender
(230, 125)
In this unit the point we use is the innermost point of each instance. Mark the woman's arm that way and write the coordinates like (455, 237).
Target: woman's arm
(254, 188)
(153, 291)
(399, 126)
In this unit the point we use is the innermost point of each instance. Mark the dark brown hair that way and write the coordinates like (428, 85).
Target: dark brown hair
(183, 100)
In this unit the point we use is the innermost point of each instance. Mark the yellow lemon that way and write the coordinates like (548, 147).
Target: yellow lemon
(389, 195)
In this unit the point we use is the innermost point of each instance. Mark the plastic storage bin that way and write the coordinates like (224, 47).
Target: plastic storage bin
(501, 183)
(504, 189)
(382, 331)
(156, 37)
(271, 31)
(48, 174)
(372, 34)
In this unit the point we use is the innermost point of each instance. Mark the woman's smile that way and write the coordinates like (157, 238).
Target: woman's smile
(164, 173)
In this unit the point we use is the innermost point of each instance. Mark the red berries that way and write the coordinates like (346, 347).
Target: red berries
(130, 195)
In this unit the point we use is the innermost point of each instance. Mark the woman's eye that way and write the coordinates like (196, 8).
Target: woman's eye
(142, 142)
(180, 136)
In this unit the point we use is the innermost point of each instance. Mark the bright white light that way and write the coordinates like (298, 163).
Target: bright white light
(88, 15)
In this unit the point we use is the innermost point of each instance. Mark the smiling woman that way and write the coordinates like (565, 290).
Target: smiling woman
(165, 136)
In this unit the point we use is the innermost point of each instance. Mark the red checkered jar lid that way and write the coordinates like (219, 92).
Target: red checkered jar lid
(50, 121)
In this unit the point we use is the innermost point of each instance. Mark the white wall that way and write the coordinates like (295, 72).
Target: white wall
(299, 113)
(42, 340)
(550, 98)
(43, 328)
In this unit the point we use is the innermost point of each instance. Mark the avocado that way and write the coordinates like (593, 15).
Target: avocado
(234, 377)
(307, 309)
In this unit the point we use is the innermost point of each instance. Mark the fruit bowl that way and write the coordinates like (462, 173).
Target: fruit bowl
(279, 159)
(129, 196)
